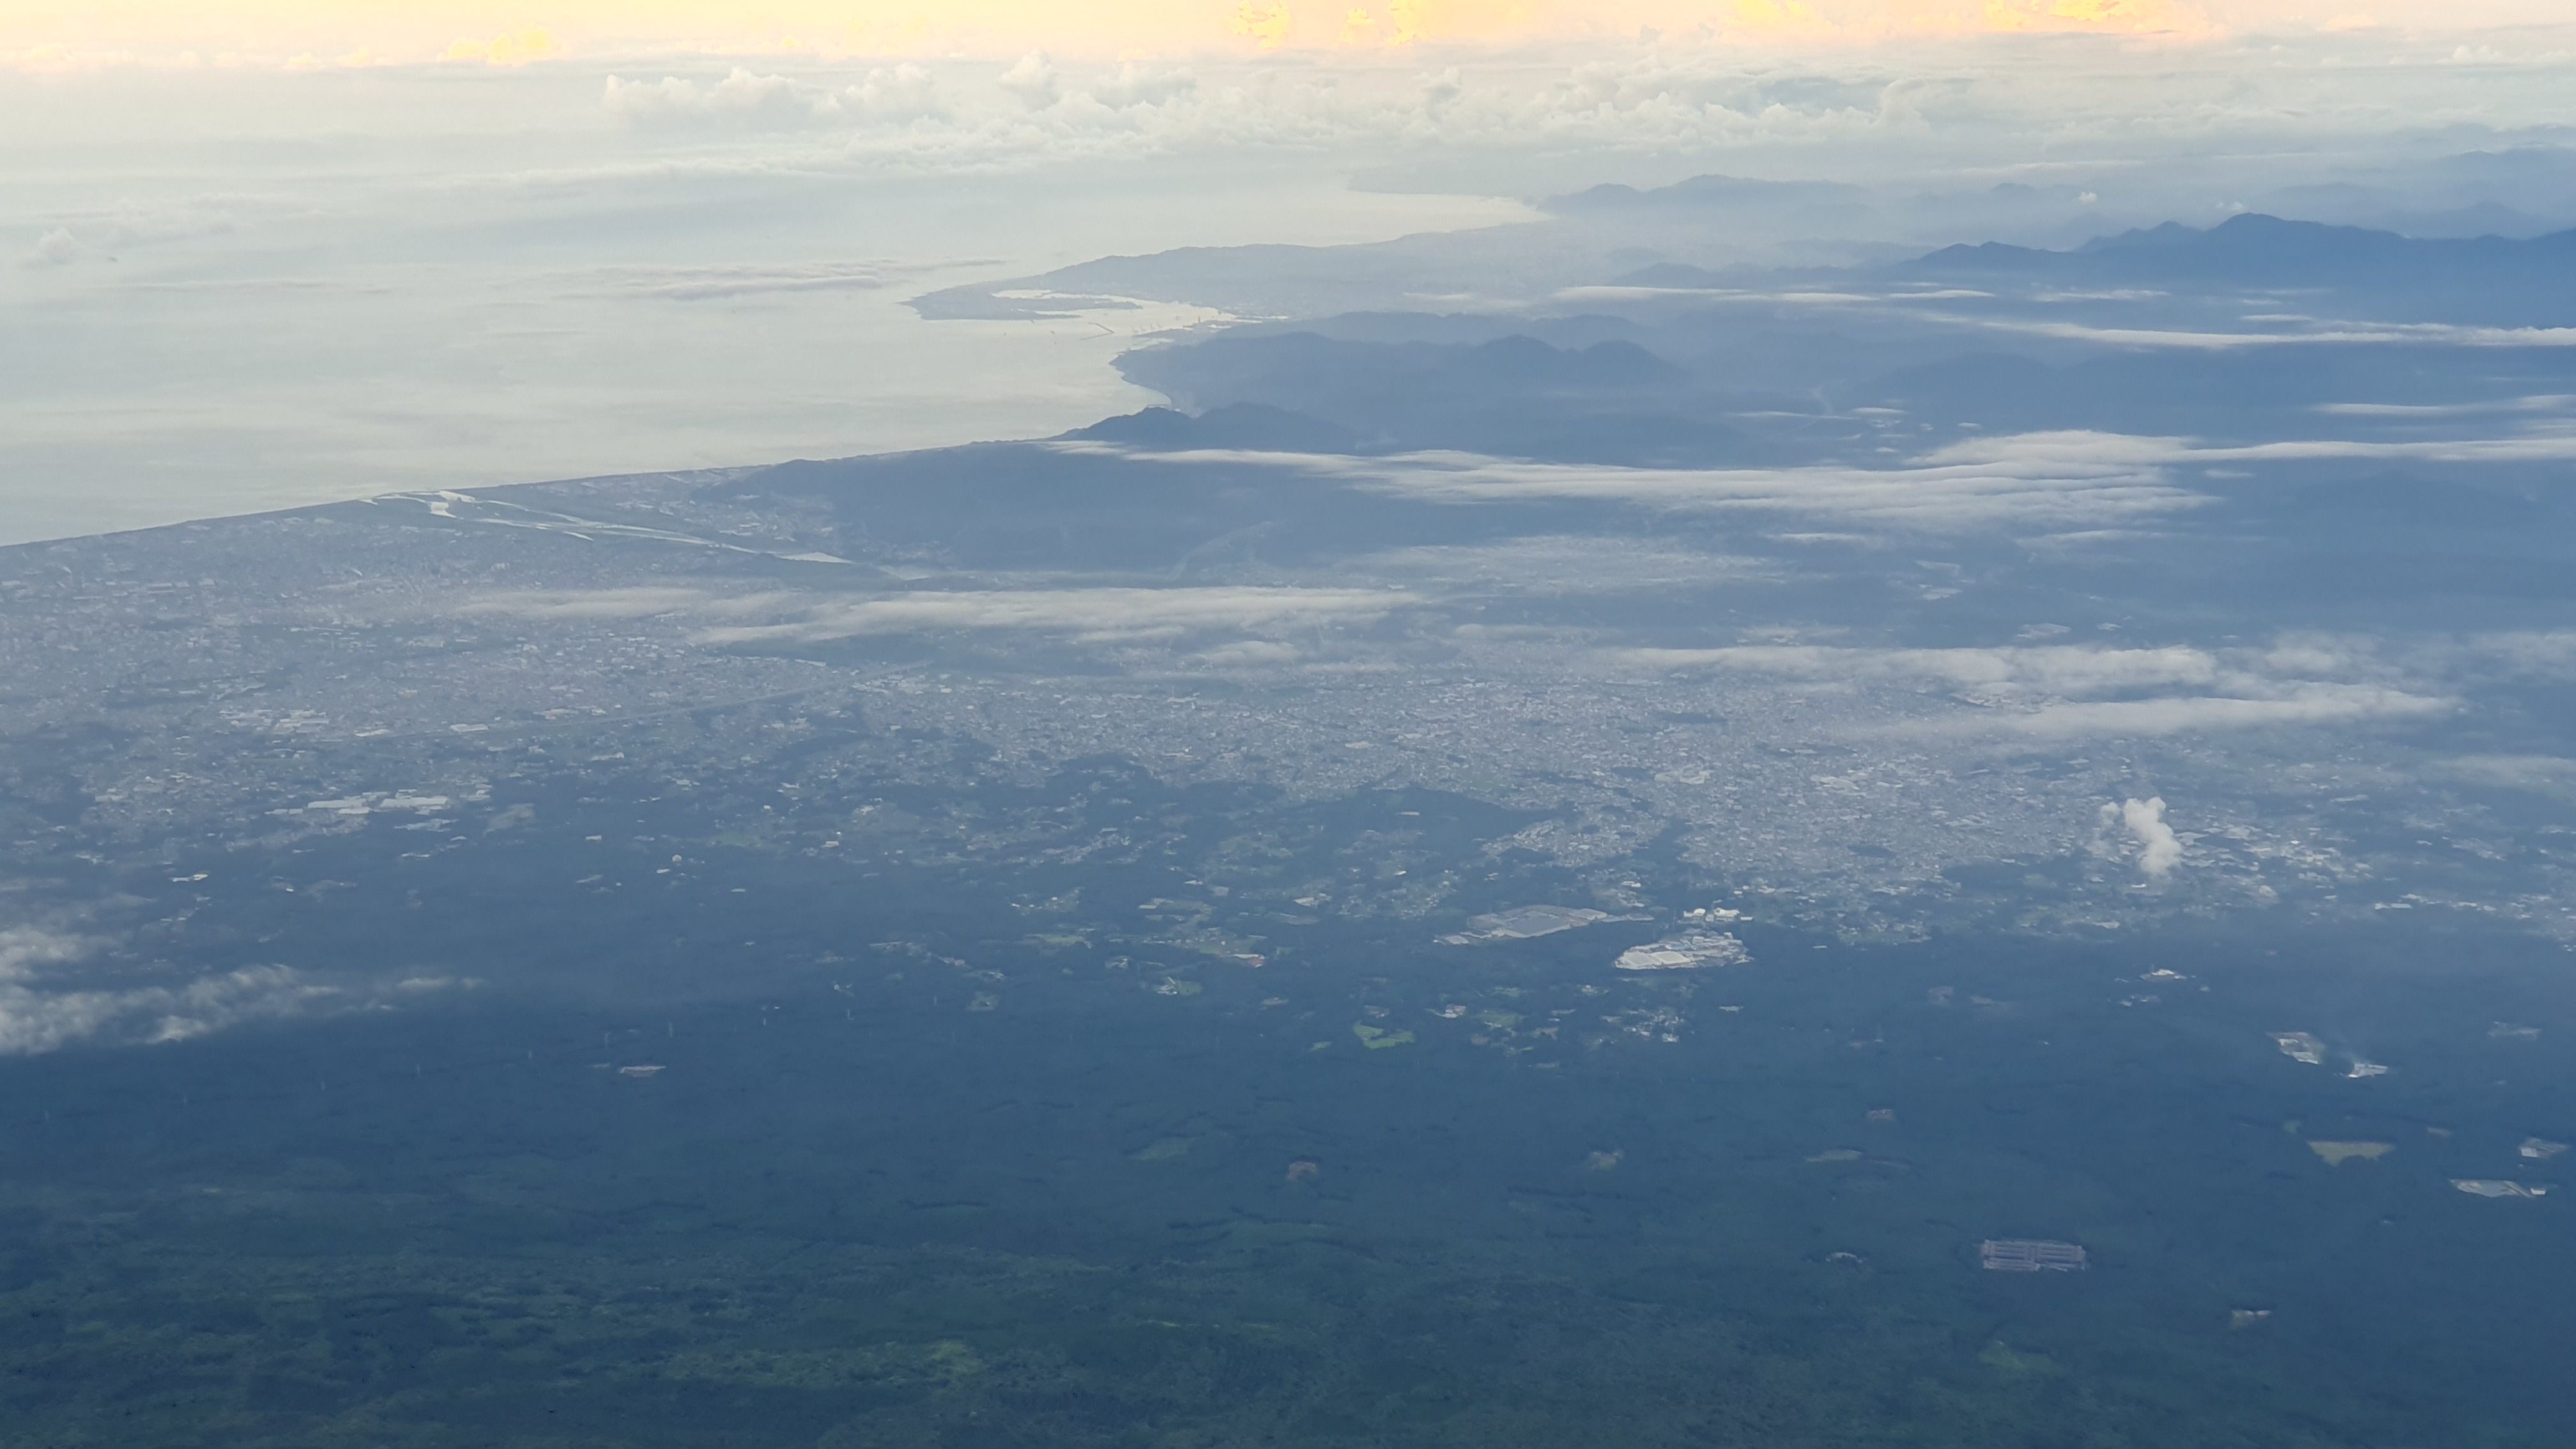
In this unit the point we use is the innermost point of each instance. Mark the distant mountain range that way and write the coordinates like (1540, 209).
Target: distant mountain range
(2380, 275)
(2482, 281)
(2256, 249)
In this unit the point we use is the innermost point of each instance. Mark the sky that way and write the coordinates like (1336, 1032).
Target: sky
(45, 35)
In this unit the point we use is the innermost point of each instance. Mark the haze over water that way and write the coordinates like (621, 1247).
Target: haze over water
(426, 280)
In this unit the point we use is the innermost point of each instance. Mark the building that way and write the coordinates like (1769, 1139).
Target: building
(2029, 1255)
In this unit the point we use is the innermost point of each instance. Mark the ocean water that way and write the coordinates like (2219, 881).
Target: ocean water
(1089, 1154)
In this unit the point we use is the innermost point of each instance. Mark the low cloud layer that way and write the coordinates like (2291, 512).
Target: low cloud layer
(1670, 95)
(629, 603)
(726, 282)
(2341, 334)
(1565, 564)
(2043, 669)
(744, 100)
(45, 1004)
(1090, 615)
(2045, 485)
(2040, 482)
(2303, 704)
(2059, 691)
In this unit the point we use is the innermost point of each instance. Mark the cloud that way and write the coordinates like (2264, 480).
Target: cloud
(2539, 403)
(516, 48)
(2538, 653)
(40, 1013)
(633, 603)
(1141, 85)
(1250, 654)
(1033, 80)
(2057, 691)
(896, 93)
(1091, 615)
(2541, 445)
(129, 225)
(24, 948)
(1777, 17)
(55, 248)
(2551, 773)
(2039, 481)
(2055, 487)
(1265, 22)
(2315, 332)
(752, 102)
(698, 284)
(2136, 17)
(1624, 93)
(892, 110)
(2333, 334)
(2057, 669)
(746, 101)
(2159, 850)
(1562, 564)
(2302, 704)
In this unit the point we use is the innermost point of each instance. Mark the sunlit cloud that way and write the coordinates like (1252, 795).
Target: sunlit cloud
(1091, 615)
(2159, 849)
(517, 48)
(1267, 26)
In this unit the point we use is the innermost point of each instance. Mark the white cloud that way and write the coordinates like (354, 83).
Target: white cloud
(1565, 564)
(2514, 772)
(896, 93)
(1654, 99)
(2040, 481)
(2302, 704)
(56, 248)
(40, 1011)
(2054, 489)
(2316, 656)
(2045, 669)
(1092, 615)
(2159, 849)
(722, 282)
(24, 948)
(1143, 85)
(2536, 653)
(2538, 446)
(1250, 654)
(2333, 334)
(744, 100)
(2316, 332)
(2538, 403)
(753, 102)
(633, 603)
(2059, 691)
(77, 236)
(1033, 80)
